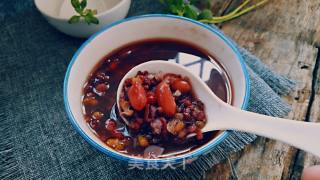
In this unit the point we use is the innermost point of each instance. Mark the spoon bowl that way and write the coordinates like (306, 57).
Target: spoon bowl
(222, 116)
(157, 66)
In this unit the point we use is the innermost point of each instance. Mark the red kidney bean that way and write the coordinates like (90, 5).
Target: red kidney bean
(87, 118)
(88, 88)
(117, 135)
(199, 135)
(127, 141)
(102, 88)
(127, 82)
(182, 134)
(94, 124)
(186, 116)
(192, 128)
(110, 125)
(152, 99)
(164, 124)
(187, 102)
(134, 125)
(113, 64)
(139, 121)
(201, 116)
(147, 113)
(160, 110)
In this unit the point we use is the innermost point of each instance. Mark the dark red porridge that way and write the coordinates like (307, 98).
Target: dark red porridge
(161, 108)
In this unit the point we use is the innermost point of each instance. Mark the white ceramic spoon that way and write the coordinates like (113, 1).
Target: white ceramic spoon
(222, 116)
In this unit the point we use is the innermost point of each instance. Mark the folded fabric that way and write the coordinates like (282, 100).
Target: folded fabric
(37, 140)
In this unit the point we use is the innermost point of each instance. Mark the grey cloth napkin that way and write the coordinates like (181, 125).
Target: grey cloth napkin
(36, 139)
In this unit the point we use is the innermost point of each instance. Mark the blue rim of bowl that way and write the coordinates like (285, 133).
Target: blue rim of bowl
(173, 160)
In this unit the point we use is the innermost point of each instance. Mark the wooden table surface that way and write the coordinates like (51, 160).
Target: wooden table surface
(285, 34)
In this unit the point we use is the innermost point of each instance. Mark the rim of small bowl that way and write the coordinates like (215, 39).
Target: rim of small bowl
(114, 8)
(126, 158)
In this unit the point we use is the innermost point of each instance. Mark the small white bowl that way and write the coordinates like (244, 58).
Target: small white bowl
(58, 12)
(145, 27)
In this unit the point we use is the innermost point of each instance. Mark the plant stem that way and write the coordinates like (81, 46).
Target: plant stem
(240, 7)
(235, 13)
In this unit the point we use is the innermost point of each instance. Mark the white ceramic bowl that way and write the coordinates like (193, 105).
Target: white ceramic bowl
(58, 12)
(146, 27)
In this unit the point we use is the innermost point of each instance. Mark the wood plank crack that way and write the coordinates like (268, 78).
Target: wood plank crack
(315, 78)
(297, 167)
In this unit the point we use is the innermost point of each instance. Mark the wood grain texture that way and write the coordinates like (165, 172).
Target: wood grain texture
(283, 34)
(306, 159)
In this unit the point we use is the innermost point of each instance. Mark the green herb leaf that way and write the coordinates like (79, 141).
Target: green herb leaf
(179, 3)
(174, 9)
(75, 3)
(78, 10)
(94, 20)
(74, 19)
(88, 14)
(83, 4)
(191, 12)
(205, 14)
(90, 19)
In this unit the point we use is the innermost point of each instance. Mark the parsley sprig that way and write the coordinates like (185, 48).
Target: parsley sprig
(87, 14)
(187, 9)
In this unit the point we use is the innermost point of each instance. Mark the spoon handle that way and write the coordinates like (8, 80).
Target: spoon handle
(303, 135)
